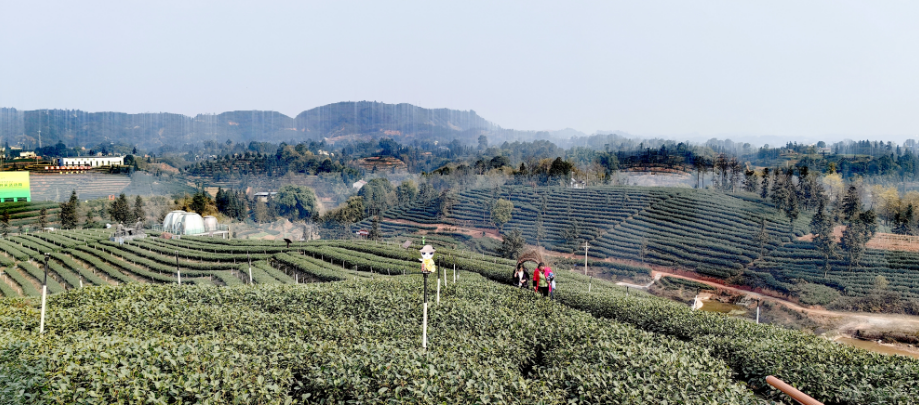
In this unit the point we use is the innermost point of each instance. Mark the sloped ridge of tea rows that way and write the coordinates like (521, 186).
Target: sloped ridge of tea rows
(710, 232)
(784, 267)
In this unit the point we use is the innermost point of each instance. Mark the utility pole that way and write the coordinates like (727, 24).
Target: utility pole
(586, 246)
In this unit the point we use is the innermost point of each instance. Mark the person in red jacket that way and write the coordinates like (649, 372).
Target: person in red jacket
(541, 279)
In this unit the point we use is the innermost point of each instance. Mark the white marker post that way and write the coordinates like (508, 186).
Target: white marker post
(586, 246)
(424, 317)
(178, 272)
(454, 273)
(757, 313)
(250, 267)
(590, 283)
(44, 298)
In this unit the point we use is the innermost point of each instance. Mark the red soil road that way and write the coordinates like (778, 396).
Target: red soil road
(477, 232)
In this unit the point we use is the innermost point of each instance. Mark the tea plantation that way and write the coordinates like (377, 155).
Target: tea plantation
(26, 214)
(351, 333)
(711, 233)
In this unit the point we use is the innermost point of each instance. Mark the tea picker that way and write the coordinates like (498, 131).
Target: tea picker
(427, 267)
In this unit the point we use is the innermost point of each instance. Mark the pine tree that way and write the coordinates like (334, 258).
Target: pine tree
(762, 237)
(750, 183)
(903, 222)
(851, 204)
(853, 242)
(89, 223)
(781, 189)
(791, 209)
(512, 244)
(822, 228)
(139, 214)
(765, 188)
(375, 228)
(5, 223)
(643, 249)
(69, 212)
(120, 211)
(43, 218)
(540, 230)
(222, 200)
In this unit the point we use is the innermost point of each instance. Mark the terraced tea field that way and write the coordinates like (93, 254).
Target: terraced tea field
(713, 234)
(352, 333)
(710, 232)
(27, 213)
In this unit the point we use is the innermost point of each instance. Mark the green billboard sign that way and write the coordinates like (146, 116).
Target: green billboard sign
(14, 186)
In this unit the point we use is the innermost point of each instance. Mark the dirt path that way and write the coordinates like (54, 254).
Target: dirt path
(474, 232)
(845, 323)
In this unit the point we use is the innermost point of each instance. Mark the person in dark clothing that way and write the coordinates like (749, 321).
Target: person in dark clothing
(519, 274)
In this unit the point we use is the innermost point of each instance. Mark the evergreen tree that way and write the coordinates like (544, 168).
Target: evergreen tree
(781, 189)
(750, 183)
(43, 218)
(762, 237)
(791, 209)
(512, 244)
(903, 221)
(69, 212)
(241, 206)
(540, 230)
(375, 228)
(851, 204)
(765, 188)
(199, 203)
(120, 211)
(89, 223)
(5, 223)
(822, 228)
(643, 249)
(222, 200)
(139, 214)
(858, 232)
(853, 242)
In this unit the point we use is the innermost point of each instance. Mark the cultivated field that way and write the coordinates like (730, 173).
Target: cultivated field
(352, 333)
(711, 233)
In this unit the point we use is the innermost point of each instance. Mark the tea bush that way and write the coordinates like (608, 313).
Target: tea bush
(347, 341)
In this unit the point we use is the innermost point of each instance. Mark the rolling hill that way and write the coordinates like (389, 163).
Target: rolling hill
(710, 233)
(338, 121)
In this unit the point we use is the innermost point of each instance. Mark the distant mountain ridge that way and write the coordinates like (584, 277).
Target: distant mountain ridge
(334, 122)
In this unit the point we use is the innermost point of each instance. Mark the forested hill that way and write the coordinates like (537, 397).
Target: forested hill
(339, 122)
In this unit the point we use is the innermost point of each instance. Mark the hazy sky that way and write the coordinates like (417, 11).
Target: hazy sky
(792, 69)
